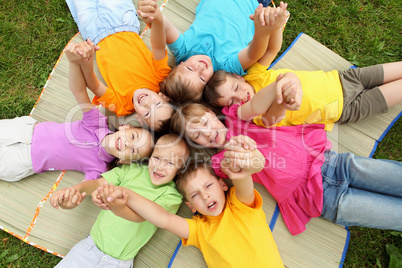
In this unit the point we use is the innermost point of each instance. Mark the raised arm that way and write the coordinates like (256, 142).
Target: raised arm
(266, 21)
(76, 78)
(153, 212)
(242, 159)
(147, 10)
(274, 46)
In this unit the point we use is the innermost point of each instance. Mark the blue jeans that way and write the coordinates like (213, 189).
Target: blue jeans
(97, 19)
(360, 191)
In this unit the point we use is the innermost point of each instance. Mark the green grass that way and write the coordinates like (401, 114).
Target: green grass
(33, 34)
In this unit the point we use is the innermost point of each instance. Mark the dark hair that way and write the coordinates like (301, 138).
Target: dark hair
(178, 90)
(211, 95)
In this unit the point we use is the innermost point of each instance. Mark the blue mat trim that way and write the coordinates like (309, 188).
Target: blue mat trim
(345, 249)
(174, 254)
(274, 218)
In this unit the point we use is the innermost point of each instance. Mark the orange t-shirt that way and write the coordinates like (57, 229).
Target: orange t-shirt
(126, 64)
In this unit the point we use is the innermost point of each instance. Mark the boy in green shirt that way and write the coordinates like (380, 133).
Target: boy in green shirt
(114, 240)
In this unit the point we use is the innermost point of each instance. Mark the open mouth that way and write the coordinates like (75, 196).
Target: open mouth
(214, 137)
(205, 63)
(141, 97)
(158, 175)
(118, 144)
(212, 205)
(247, 97)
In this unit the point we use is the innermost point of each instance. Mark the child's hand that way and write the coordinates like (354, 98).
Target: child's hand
(269, 19)
(147, 10)
(112, 198)
(66, 198)
(82, 52)
(289, 91)
(97, 199)
(242, 158)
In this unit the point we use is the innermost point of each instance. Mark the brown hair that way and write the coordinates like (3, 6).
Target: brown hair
(184, 114)
(178, 90)
(211, 95)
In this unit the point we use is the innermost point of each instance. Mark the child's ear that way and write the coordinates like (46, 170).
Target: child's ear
(223, 184)
(166, 98)
(240, 77)
(139, 119)
(191, 207)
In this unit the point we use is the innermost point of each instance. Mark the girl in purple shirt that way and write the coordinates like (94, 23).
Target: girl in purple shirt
(28, 146)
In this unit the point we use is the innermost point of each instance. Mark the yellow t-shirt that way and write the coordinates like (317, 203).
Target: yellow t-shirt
(238, 237)
(322, 101)
(126, 64)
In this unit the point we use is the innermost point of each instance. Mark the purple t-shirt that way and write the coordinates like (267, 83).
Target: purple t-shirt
(72, 146)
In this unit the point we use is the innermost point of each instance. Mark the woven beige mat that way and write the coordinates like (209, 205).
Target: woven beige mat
(26, 213)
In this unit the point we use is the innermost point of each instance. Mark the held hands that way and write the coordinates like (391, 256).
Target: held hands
(289, 91)
(66, 198)
(242, 158)
(148, 11)
(269, 19)
(82, 52)
(107, 197)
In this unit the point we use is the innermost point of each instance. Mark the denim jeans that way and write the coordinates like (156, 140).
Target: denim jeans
(360, 191)
(99, 19)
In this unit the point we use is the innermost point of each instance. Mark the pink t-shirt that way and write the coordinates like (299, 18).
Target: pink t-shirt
(292, 173)
(72, 146)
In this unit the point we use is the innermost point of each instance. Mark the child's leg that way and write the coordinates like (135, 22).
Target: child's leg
(15, 148)
(362, 96)
(99, 19)
(86, 254)
(362, 191)
(392, 85)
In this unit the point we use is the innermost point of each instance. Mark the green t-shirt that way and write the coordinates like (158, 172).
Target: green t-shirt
(118, 237)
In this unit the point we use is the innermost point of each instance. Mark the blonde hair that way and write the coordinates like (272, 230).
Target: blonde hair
(178, 90)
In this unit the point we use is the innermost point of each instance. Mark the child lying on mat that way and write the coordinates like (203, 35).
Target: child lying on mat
(323, 97)
(131, 71)
(114, 241)
(28, 147)
(232, 44)
(234, 213)
(305, 178)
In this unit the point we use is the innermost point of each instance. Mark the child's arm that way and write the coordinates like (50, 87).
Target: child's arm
(153, 212)
(118, 206)
(266, 22)
(286, 91)
(158, 38)
(274, 46)
(71, 197)
(82, 54)
(243, 160)
(147, 9)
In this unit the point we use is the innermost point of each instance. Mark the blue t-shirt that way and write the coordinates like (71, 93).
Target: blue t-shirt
(221, 29)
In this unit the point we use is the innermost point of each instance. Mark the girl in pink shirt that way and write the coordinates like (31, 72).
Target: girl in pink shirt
(305, 178)
(28, 147)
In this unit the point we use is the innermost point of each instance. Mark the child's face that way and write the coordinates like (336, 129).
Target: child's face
(196, 70)
(234, 91)
(165, 162)
(205, 193)
(152, 108)
(128, 144)
(209, 132)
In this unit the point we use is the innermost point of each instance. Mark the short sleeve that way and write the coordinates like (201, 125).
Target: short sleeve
(94, 118)
(162, 68)
(231, 111)
(92, 175)
(236, 202)
(170, 201)
(192, 235)
(232, 65)
(108, 100)
(116, 174)
(178, 48)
